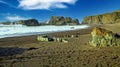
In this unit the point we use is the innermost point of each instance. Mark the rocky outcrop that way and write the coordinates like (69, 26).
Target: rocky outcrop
(46, 38)
(59, 20)
(29, 22)
(102, 37)
(106, 18)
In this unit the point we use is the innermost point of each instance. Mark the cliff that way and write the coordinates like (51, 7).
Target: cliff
(29, 22)
(102, 37)
(60, 20)
(106, 18)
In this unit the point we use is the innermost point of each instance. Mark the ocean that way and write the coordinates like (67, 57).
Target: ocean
(20, 30)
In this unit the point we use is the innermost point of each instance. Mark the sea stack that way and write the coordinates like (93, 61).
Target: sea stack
(60, 20)
(29, 22)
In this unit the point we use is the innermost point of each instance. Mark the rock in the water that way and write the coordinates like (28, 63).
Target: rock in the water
(29, 22)
(106, 18)
(102, 37)
(60, 20)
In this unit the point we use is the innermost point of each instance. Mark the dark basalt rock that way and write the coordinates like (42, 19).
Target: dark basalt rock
(29, 22)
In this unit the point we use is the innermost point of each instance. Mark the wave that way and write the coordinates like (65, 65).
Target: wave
(11, 31)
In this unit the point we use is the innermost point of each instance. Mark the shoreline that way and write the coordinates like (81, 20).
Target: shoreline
(33, 38)
(77, 52)
(43, 32)
(47, 33)
(37, 33)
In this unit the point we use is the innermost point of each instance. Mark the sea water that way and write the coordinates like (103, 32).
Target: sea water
(20, 30)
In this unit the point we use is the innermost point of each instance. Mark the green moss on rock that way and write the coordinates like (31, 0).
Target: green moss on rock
(102, 37)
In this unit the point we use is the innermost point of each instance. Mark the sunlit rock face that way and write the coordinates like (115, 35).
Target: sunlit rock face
(107, 18)
(60, 20)
(102, 37)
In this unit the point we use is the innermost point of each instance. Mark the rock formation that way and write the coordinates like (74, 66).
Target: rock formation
(59, 20)
(29, 22)
(102, 37)
(46, 38)
(106, 18)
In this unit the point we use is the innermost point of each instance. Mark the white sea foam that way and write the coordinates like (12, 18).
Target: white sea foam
(19, 30)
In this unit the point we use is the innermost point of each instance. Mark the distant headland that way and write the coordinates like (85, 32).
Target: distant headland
(107, 18)
(54, 20)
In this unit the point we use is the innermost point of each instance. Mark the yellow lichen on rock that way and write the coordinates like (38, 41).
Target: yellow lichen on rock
(102, 37)
(99, 31)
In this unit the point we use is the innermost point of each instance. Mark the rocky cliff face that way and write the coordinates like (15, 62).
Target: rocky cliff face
(102, 37)
(107, 18)
(59, 20)
(29, 22)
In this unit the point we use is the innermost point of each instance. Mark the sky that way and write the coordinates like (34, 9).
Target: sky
(42, 10)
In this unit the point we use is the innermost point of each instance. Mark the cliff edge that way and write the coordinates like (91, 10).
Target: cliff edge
(107, 18)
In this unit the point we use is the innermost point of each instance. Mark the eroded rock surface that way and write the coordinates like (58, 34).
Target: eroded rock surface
(60, 20)
(29, 22)
(102, 37)
(46, 38)
(107, 18)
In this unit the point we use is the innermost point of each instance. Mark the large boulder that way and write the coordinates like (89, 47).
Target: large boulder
(102, 37)
(29, 22)
(60, 20)
(106, 18)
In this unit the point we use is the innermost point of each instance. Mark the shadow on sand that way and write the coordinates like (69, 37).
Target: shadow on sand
(11, 51)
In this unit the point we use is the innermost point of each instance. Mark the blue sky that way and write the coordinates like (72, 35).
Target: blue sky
(42, 10)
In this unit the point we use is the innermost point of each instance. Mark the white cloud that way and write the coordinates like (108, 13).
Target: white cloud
(44, 4)
(15, 18)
